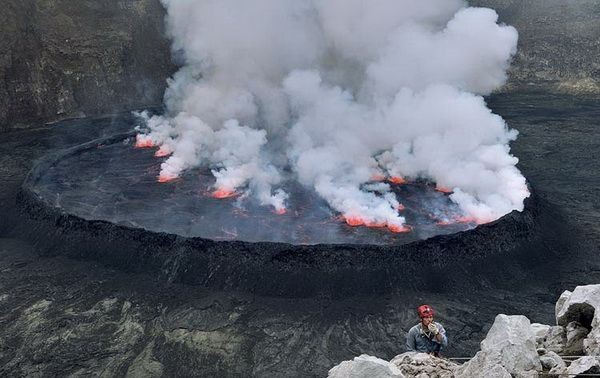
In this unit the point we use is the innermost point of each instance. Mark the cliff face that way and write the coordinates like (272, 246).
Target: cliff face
(66, 58)
(559, 44)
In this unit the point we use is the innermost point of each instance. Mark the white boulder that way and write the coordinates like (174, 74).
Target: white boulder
(584, 365)
(581, 306)
(550, 360)
(540, 331)
(365, 366)
(509, 348)
(556, 339)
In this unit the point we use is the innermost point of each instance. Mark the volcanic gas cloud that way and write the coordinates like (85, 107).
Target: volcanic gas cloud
(346, 95)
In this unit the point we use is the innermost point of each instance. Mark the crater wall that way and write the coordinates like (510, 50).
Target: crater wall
(64, 58)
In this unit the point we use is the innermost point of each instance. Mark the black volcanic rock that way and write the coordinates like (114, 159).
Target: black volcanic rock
(559, 44)
(64, 59)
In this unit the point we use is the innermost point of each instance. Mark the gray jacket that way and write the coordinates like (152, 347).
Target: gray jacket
(418, 341)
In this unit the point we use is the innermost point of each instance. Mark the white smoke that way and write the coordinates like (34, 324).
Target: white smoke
(341, 91)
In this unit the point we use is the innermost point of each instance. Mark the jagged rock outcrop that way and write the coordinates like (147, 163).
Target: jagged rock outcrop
(555, 339)
(581, 306)
(583, 365)
(576, 334)
(550, 360)
(540, 331)
(509, 348)
(409, 365)
(566, 340)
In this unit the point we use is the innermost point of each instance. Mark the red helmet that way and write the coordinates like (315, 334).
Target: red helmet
(424, 311)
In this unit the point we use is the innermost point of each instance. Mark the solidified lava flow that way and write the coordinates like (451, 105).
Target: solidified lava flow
(121, 184)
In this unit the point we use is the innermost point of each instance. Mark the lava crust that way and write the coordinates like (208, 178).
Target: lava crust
(445, 262)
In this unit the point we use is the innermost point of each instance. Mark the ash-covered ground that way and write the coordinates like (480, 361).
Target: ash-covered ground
(60, 316)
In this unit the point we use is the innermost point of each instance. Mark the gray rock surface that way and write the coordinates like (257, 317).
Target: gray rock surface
(584, 365)
(413, 364)
(365, 366)
(559, 44)
(575, 334)
(509, 347)
(582, 306)
(555, 339)
(63, 59)
(540, 331)
(550, 360)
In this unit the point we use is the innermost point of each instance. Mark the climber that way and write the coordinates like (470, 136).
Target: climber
(427, 336)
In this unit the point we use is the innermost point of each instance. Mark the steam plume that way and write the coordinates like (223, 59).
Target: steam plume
(340, 91)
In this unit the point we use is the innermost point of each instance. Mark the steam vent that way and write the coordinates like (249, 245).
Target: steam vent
(107, 199)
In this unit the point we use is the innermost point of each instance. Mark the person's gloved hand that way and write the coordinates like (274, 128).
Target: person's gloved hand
(433, 328)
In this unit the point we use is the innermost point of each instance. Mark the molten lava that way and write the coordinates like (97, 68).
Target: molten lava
(142, 141)
(398, 180)
(222, 193)
(443, 189)
(398, 229)
(163, 152)
(165, 177)
(356, 221)
(281, 211)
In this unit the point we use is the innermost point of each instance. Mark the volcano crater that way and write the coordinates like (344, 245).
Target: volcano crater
(101, 200)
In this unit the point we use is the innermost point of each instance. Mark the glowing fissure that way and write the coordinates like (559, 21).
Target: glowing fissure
(163, 151)
(398, 180)
(351, 96)
(354, 220)
(143, 141)
(223, 193)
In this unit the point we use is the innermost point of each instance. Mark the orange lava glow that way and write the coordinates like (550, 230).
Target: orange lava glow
(377, 177)
(356, 221)
(281, 211)
(398, 229)
(222, 193)
(443, 189)
(164, 177)
(142, 141)
(398, 180)
(162, 152)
